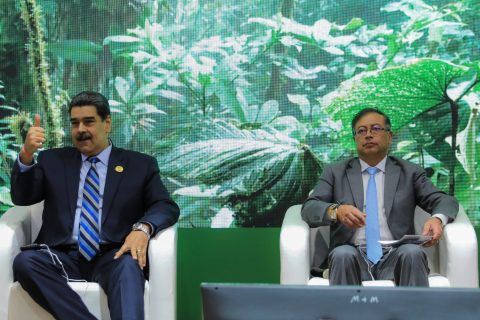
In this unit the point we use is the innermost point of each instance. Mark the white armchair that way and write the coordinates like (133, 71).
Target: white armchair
(20, 225)
(453, 262)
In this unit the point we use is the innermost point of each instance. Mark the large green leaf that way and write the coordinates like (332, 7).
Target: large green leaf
(258, 173)
(402, 92)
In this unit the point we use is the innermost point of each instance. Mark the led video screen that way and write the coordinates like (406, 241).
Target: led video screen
(243, 103)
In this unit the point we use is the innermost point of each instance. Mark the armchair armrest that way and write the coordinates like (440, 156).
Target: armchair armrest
(458, 252)
(294, 248)
(14, 233)
(162, 253)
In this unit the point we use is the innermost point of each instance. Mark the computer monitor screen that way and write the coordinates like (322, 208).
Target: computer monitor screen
(282, 302)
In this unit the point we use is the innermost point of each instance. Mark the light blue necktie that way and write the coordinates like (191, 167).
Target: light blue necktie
(89, 235)
(372, 229)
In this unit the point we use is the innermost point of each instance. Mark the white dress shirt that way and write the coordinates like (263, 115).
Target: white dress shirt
(358, 237)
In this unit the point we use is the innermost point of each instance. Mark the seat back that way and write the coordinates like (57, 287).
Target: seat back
(420, 217)
(36, 211)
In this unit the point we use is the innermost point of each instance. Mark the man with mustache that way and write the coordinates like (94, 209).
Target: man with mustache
(101, 206)
(371, 198)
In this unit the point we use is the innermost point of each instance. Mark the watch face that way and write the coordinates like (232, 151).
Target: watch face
(137, 226)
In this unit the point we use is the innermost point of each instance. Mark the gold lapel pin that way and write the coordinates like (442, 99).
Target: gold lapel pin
(119, 168)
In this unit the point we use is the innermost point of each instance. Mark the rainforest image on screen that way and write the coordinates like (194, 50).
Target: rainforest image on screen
(244, 102)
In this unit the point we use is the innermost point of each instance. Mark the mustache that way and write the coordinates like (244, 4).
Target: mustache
(82, 136)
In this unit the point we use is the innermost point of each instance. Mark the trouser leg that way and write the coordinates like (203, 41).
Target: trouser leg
(347, 266)
(45, 283)
(124, 283)
(407, 265)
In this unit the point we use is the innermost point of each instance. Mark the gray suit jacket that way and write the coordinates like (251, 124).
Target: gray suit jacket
(406, 186)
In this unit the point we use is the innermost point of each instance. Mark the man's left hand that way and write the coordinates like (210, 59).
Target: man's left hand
(137, 243)
(433, 227)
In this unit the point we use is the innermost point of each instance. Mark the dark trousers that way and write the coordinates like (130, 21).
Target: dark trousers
(406, 265)
(122, 280)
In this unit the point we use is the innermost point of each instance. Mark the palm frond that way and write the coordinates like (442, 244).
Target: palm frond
(257, 171)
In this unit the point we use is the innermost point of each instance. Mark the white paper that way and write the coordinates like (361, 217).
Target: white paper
(409, 238)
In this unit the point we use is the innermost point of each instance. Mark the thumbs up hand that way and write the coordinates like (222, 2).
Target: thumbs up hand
(37, 120)
(34, 140)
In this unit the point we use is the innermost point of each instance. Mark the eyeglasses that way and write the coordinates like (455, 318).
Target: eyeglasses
(375, 130)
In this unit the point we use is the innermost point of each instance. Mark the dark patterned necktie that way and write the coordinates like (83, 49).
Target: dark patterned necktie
(89, 231)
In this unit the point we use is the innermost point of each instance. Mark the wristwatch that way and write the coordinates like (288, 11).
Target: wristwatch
(141, 227)
(332, 212)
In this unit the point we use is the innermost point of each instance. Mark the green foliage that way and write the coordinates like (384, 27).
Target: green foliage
(440, 28)
(402, 92)
(252, 172)
(213, 77)
(19, 125)
(238, 102)
(32, 16)
(77, 51)
(8, 154)
(132, 113)
(468, 147)
(406, 92)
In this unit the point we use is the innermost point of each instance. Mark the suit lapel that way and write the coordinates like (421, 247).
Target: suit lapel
(72, 167)
(392, 176)
(116, 166)
(354, 176)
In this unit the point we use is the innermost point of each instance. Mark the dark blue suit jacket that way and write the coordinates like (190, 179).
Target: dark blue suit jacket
(133, 193)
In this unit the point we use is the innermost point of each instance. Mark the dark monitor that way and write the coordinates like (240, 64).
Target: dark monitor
(282, 302)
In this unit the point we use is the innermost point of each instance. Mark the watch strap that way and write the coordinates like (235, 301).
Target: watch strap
(139, 226)
(332, 211)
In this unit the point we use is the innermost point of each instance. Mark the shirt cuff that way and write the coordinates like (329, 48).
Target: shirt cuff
(23, 167)
(442, 218)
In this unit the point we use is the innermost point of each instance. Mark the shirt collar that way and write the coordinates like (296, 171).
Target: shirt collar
(381, 165)
(102, 156)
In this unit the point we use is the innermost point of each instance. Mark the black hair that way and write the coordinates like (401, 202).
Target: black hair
(91, 98)
(366, 111)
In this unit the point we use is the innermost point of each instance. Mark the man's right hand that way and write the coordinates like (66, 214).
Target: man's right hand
(34, 140)
(351, 216)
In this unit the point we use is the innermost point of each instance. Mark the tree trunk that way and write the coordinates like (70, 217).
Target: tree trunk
(451, 165)
(31, 16)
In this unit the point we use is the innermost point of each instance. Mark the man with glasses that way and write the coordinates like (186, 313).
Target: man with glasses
(371, 198)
